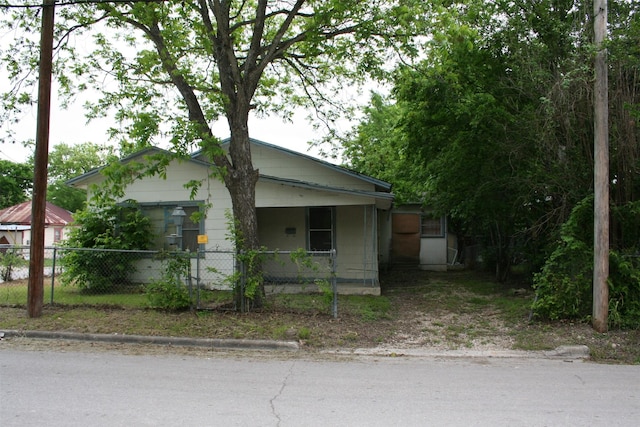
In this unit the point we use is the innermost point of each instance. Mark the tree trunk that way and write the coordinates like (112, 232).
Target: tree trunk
(241, 182)
(502, 244)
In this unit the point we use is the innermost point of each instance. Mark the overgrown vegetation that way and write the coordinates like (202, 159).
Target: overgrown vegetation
(171, 292)
(115, 228)
(249, 278)
(247, 282)
(564, 286)
(494, 128)
(305, 265)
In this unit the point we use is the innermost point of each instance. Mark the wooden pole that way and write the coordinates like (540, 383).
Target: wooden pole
(35, 293)
(601, 173)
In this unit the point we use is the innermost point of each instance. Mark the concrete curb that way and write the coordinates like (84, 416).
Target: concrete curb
(228, 344)
(453, 354)
(578, 352)
(569, 352)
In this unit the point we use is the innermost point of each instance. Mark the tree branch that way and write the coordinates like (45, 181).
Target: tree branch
(196, 115)
(230, 75)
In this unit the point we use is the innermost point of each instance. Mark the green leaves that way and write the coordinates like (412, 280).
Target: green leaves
(379, 148)
(280, 57)
(170, 292)
(113, 227)
(16, 180)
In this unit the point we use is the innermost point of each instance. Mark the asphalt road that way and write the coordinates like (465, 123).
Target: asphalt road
(54, 388)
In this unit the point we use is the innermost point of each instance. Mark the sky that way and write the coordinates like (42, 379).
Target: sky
(70, 127)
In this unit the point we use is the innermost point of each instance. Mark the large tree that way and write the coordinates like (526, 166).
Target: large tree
(16, 180)
(176, 66)
(499, 119)
(68, 161)
(461, 141)
(379, 147)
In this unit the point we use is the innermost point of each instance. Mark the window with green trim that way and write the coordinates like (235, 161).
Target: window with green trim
(163, 225)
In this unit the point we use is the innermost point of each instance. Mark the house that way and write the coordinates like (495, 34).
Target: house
(301, 202)
(421, 239)
(15, 224)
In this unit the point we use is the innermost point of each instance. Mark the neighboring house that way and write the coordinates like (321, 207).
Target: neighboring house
(422, 240)
(301, 201)
(15, 224)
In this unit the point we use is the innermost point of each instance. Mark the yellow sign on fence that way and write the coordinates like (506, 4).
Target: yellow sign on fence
(203, 239)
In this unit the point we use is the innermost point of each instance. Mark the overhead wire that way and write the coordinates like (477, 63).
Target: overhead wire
(71, 3)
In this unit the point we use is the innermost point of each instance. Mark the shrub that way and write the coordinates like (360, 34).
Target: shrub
(112, 229)
(564, 286)
(624, 290)
(169, 292)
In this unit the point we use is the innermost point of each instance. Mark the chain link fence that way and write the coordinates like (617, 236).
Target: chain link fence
(127, 278)
(14, 273)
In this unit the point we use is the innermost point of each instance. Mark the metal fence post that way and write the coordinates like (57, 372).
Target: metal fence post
(243, 278)
(53, 272)
(334, 284)
(189, 282)
(198, 278)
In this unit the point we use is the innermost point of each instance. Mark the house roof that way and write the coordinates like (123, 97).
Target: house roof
(384, 186)
(144, 152)
(21, 215)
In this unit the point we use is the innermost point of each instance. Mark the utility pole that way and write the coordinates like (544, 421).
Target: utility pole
(35, 294)
(601, 173)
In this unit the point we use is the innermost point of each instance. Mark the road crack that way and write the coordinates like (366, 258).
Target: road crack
(283, 385)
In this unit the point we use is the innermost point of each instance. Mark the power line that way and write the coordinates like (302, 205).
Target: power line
(72, 3)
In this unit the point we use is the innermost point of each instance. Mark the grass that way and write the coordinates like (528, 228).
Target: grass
(454, 310)
(15, 293)
(299, 317)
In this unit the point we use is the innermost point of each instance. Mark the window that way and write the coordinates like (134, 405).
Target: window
(432, 226)
(163, 225)
(57, 234)
(321, 228)
(190, 230)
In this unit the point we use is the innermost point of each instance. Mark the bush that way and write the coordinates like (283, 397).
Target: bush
(564, 286)
(169, 292)
(114, 228)
(624, 290)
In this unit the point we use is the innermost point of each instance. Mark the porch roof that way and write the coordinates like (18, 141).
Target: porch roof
(383, 199)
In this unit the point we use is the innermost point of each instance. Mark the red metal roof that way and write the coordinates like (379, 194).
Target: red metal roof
(21, 214)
